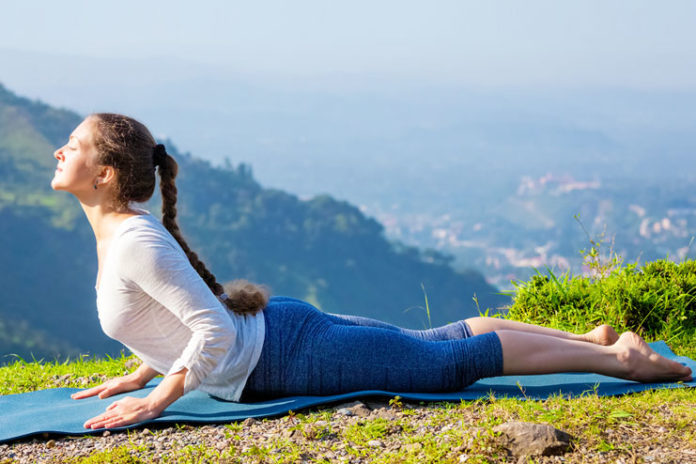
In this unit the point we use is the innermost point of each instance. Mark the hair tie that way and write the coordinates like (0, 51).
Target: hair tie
(158, 155)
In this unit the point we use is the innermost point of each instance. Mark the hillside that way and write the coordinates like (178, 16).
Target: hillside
(321, 249)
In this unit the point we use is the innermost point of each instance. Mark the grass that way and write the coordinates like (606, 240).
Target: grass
(658, 301)
(605, 428)
(21, 376)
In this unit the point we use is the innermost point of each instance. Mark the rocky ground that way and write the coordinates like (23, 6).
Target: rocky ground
(358, 433)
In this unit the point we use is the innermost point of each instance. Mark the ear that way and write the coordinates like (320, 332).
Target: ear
(106, 175)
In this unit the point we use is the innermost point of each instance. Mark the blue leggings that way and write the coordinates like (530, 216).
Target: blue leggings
(308, 352)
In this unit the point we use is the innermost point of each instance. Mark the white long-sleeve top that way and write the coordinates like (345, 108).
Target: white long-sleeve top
(153, 301)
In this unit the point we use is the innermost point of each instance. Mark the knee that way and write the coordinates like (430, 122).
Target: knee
(477, 325)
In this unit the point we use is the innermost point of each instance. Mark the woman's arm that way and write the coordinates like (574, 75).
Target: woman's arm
(131, 410)
(161, 270)
(152, 264)
(133, 381)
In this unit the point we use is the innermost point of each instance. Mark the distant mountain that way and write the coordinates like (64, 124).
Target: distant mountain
(322, 250)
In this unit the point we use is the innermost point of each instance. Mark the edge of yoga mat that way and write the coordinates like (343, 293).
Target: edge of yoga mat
(58, 414)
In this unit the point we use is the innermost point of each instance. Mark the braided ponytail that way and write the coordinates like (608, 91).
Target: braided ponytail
(128, 146)
(244, 297)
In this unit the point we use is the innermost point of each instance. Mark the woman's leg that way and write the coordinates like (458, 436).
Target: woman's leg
(601, 335)
(306, 352)
(629, 358)
(453, 331)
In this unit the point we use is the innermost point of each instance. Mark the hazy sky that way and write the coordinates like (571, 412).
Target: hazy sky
(328, 85)
(631, 43)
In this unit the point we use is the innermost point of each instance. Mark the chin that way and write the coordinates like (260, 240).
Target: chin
(55, 185)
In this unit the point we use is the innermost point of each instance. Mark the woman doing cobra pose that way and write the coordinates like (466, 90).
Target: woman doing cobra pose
(156, 297)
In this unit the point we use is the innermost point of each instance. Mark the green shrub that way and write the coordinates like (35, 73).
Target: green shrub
(657, 301)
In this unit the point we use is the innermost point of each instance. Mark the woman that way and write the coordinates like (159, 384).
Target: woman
(156, 297)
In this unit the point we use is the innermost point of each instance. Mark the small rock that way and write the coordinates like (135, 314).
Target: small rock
(360, 410)
(106, 433)
(293, 434)
(345, 412)
(356, 408)
(61, 380)
(385, 413)
(463, 458)
(50, 444)
(375, 444)
(413, 447)
(249, 421)
(527, 439)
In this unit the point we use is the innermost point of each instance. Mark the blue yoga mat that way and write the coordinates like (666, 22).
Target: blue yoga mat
(53, 411)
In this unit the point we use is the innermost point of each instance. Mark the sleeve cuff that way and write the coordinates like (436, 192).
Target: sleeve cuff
(187, 360)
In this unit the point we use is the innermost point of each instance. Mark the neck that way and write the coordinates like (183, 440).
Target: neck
(104, 219)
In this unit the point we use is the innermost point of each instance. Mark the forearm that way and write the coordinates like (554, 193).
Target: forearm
(169, 390)
(143, 374)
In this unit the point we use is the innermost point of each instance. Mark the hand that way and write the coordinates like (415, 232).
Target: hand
(111, 387)
(130, 410)
(125, 411)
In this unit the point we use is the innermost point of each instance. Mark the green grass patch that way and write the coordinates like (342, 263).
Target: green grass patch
(21, 376)
(658, 301)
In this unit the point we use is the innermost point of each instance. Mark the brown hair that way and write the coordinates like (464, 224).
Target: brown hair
(128, 146)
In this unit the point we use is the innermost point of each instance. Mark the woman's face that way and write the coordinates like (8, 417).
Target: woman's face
(77, 170)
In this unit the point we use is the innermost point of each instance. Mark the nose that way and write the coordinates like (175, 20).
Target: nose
(58, 154)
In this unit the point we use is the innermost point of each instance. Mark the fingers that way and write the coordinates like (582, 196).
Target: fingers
(117, 414)
(106, 419)
(87, 393)
(107, 392)
(96, 422)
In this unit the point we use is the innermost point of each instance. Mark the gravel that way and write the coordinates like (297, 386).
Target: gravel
(321, 440)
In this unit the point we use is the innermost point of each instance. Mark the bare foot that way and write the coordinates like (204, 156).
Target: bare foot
(602, 335)
(642, 364)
